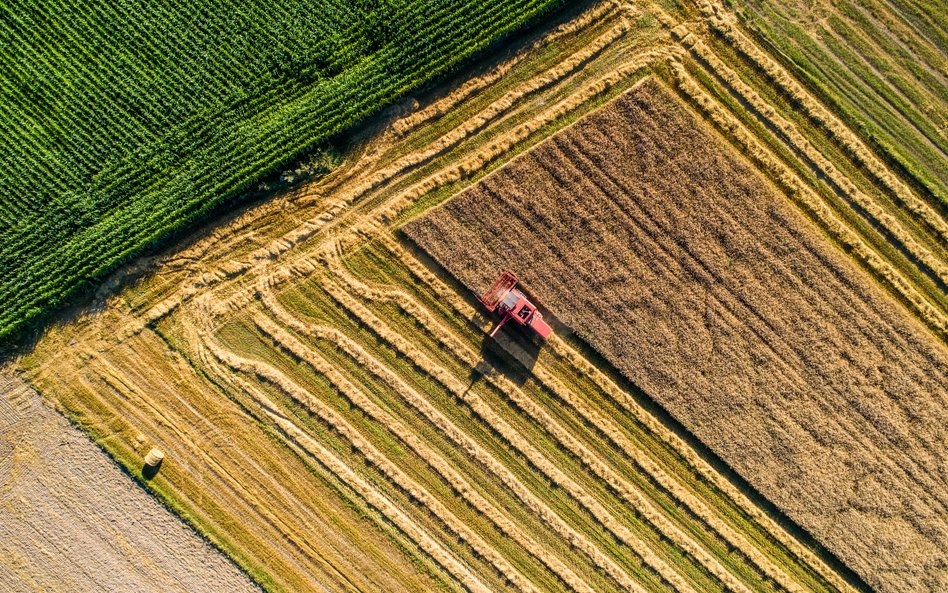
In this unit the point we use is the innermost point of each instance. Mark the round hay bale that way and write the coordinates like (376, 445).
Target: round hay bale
(154, 458)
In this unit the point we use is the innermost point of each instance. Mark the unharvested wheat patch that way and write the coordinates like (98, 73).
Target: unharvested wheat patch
(669, 255)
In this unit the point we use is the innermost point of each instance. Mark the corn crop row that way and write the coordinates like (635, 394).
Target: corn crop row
(146, 178)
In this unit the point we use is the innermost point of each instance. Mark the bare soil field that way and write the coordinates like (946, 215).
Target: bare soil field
(685, 268)
(72, 522)
(335, 419)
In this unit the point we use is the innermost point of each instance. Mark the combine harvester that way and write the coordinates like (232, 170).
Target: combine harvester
(512, 304)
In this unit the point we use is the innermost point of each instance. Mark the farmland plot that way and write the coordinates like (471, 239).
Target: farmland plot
(335, 420)
(702, 285)
(882, 63)
(72, 522)
(124, 121)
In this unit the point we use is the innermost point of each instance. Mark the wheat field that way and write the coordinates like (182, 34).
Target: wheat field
(708, 291)
(334, 417)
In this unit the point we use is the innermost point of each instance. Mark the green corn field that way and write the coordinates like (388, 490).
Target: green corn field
(124, 121)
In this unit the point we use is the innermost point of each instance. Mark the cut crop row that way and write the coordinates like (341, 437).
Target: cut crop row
(635, 453)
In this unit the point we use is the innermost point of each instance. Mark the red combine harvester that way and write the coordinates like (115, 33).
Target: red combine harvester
(512, 304)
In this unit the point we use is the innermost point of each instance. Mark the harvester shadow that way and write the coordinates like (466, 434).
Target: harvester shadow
(514, 360)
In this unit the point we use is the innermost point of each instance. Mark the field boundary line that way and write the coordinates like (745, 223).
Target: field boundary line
(233, 485)
(407, 303)
(594, 16)
(263, 257)
(494, 111)
(306, 263)
(388, 212)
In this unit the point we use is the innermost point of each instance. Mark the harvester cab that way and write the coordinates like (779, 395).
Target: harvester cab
(510, 303)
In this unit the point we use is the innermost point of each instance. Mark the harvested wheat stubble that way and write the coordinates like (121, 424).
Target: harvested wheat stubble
(682, 266)
(70, 520)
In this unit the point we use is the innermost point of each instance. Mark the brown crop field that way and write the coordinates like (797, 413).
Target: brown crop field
(745, 392)
(702, 285)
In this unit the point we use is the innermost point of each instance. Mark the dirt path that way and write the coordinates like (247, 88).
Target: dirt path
(71, 521)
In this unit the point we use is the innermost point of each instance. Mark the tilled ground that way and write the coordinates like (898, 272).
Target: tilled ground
(71, 521)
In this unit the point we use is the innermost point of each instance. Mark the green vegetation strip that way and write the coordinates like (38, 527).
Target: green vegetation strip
(125, 121)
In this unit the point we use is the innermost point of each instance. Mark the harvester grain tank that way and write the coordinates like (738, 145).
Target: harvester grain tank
(511, 304)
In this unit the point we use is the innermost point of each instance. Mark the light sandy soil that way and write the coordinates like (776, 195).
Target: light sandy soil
(71, 521)
(706, 288)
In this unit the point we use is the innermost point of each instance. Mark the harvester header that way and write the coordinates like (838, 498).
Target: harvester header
(511, 304)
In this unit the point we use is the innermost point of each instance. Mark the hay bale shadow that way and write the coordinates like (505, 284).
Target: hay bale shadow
(150, 471)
